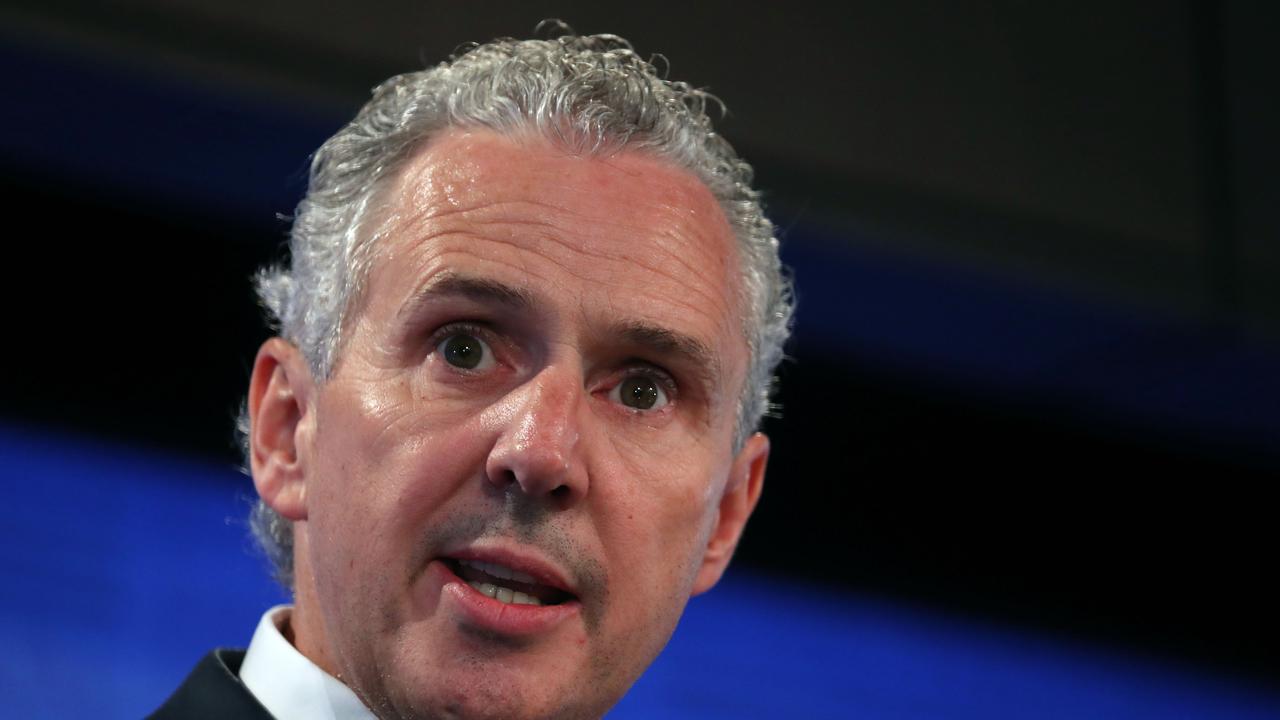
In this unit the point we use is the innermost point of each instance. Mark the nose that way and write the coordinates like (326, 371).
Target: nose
(537, 450)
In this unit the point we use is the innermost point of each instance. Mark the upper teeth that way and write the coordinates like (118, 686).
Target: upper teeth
(500, 571)
(506, 595)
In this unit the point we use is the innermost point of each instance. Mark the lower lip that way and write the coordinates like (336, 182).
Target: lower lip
(486, 613)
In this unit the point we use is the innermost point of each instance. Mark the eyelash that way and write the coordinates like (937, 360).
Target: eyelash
(462, 328)
(458, 328)
(658, 375)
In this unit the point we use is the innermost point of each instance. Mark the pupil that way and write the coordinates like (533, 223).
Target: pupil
(463, 351)
(638, 392)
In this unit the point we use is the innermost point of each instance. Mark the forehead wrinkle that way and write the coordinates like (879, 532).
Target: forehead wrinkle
(443, 190)
(433, 202)
(707, 295)
(565, 221)
(432, 207)
(674, 242)
(473, 220)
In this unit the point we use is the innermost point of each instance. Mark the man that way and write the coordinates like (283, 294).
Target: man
(527, 333)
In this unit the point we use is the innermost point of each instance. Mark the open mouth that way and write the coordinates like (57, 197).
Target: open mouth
(505, 584)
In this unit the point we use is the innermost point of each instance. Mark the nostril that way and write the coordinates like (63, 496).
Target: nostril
(561, 492)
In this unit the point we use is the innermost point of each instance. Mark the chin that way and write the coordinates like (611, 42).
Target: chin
(492, 703)
(482, 688)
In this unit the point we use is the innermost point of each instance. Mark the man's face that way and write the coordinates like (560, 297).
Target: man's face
(535, 401)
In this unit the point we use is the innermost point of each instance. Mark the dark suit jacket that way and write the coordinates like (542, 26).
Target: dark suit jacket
(213, 691)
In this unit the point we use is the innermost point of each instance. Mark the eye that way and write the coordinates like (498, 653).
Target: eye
(466, 351)
(641, 392)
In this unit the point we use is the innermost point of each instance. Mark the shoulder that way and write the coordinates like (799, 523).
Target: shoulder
(213, 690)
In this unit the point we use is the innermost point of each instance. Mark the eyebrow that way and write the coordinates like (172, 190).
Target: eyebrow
(454, 284)
(665, 342)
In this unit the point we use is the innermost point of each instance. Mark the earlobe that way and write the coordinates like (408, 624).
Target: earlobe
(279, 421)
(742, 492)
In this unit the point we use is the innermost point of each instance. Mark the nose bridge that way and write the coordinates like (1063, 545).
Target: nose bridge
(537, 450)
(547, 423)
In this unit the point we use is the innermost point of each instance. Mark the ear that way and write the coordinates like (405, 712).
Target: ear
(741, 493)
(280, 424)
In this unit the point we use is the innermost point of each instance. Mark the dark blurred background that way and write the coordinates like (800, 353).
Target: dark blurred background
(1036, 372)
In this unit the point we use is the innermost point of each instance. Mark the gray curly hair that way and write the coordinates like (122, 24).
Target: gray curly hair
(589, 95)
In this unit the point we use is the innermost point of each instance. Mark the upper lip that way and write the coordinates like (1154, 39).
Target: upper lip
(520, 559)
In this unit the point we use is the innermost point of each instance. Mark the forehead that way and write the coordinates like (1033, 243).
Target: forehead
(462, 171)
(626, 234)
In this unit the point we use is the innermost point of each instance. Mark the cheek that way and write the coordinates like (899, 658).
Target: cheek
(382, 468)
(659, 541)
(662, 527)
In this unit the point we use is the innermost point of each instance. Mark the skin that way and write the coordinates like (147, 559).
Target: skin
(576, 273)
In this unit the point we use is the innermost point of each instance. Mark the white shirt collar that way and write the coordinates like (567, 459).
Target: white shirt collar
(289, 685)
